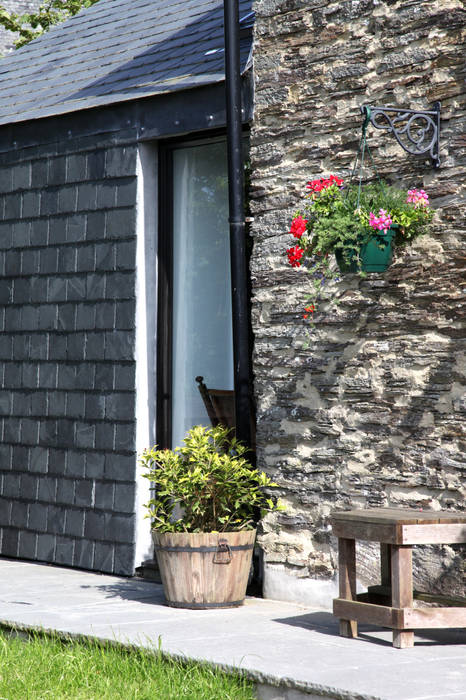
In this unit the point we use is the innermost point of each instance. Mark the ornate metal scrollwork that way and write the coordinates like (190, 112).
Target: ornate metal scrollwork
(416, 131)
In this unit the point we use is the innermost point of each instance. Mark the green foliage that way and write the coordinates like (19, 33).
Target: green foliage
(36, 666)
(30, 25)
(206, 486)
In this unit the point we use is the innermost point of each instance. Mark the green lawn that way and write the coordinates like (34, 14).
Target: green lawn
(36, 666)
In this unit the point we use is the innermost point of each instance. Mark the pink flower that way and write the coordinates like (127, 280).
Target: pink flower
(382, 222)
(419, 198)
(298, 226)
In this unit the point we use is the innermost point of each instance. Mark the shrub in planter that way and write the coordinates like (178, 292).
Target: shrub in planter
(204, 511)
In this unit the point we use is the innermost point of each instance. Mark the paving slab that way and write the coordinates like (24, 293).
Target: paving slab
(292, 651)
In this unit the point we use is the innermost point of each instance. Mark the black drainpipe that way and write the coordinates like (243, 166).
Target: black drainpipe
(239, 279)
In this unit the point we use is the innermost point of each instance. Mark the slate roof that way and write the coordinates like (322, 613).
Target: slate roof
(118, 50)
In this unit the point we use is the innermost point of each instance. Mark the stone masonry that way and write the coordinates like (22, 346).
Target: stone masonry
(67, 319)
(372, 411)
(19, 6)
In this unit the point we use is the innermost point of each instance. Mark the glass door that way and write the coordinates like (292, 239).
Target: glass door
(198, 302)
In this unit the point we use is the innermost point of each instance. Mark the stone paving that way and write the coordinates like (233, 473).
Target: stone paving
(291, 650)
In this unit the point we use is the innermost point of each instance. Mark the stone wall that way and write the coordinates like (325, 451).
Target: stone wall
(7, 38)
(372, 411)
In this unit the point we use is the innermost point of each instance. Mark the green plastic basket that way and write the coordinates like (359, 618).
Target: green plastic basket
(376, 255)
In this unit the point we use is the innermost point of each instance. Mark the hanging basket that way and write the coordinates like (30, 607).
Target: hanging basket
(375, 255)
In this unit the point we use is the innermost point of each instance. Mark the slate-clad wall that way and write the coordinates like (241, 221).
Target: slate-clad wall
(372, 412)
(67, 319)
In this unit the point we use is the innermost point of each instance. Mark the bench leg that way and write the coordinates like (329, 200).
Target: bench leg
(402, 590)
(347, 581)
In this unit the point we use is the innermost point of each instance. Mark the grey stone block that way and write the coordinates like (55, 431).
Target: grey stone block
(74, 524)
(37, 517)
(67, 259)
(104, 257)
(66, 316)
(120, 528)
(120, 162)
(76, 228)
(27, 545)
(126, 255)
(57, 171)
(11, 485)
(125, 498)
(48, 261)
(31, 204)
(57, 463)
(87, 195)
(12, 206)
(76, 168)
(126, 193)
(21, 234)
(96, 224)
(120, 467)
(119, 345)
(95, 465)
(106, 195)
(47, 490)
(104, 374)
(56, 519)
(96, 165)
(19, 514)
(95, 407)
(120, 406)
(29, 486)
(56, 404)
(121, 223)
(39, 459)
(48, 372)
(104, 495)
(39, 232)
(86, 258)
(65, 491)
(103, 557)
(104, 437)
(10, 539)
(95, 346)
(64, 551)
(39, 173)
(76, 288)
(30, 262)
(48, 317)
(76, 346)
(75, 464)
(45, 547)
(85, 317)
(57, 230)
(94, 525)
(85, 435)
(49, 202)
(124, 560)
(83, 554)
(13, 263)
(21, 176)
(56, 288)
(57, 347)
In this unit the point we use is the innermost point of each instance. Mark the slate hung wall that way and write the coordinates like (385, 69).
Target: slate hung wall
(67, 318)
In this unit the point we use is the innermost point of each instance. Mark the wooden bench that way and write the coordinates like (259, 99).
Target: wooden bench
(391, 603)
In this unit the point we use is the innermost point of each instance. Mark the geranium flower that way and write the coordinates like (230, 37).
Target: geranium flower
(419, 198)
(298, 226)
(382, 222)
(294, 256)
(324, 183)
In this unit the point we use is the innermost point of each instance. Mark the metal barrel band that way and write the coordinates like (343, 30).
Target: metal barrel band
(234, 548)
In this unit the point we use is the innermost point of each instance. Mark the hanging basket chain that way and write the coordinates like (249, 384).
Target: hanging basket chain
(363, 147)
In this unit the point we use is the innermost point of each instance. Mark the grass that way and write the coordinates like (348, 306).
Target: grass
(36, 666)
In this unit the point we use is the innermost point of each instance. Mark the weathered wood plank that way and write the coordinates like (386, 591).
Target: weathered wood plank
(438, 533)
(385, 564)
(431, 618)
(402, 591)
(398, 516)
(369, 613)
(347, 582)
(373, 532)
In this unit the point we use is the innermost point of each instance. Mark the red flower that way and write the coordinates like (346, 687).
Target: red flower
(298, 226)
(324, 183)
(294, 256)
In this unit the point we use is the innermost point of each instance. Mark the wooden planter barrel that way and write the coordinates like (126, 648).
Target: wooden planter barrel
(204, 570)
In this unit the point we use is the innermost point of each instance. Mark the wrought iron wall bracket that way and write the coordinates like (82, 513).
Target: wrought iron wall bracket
(416, 131)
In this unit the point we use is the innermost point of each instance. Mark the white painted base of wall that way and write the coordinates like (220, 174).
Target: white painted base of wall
(314, 593)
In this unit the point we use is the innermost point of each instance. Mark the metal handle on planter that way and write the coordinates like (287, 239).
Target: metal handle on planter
(223, 548)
